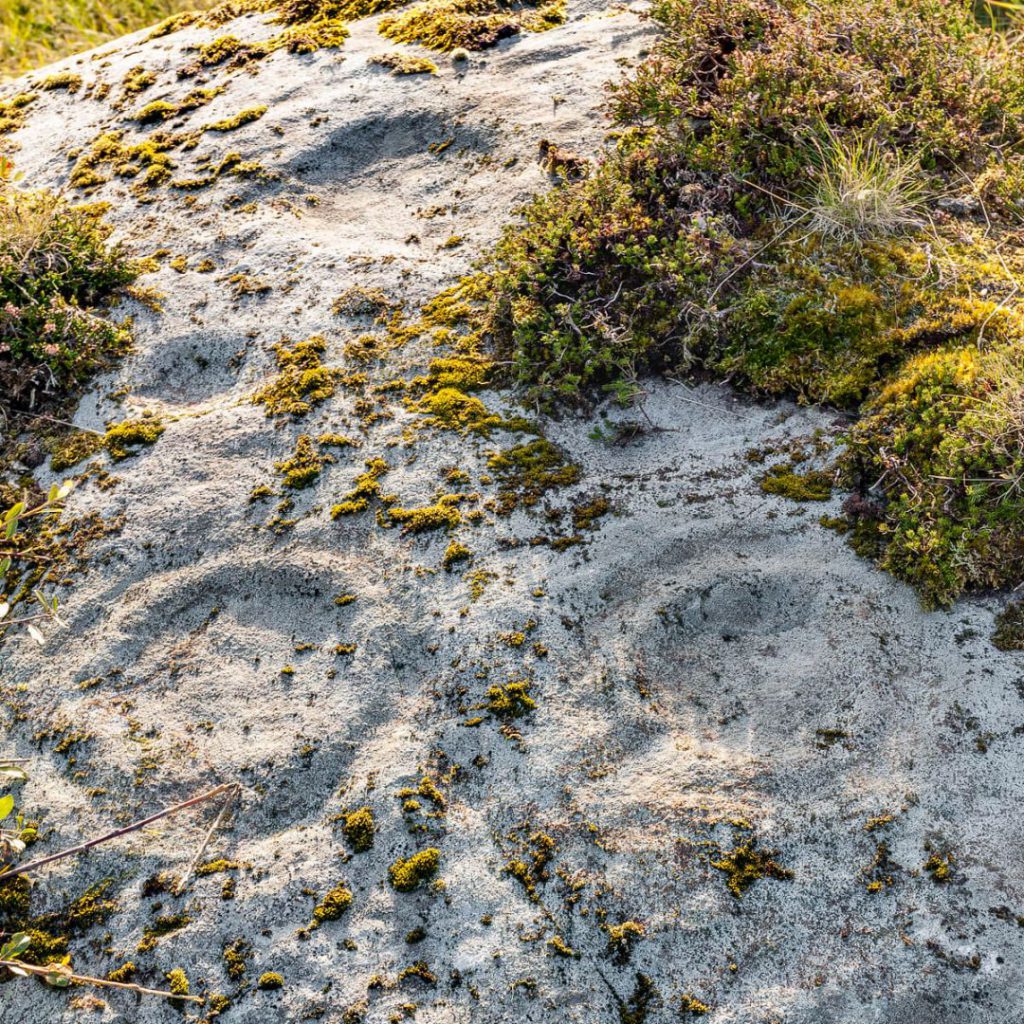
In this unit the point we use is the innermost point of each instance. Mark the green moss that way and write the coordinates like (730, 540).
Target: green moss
(123, 973)
(468, 24)
(443, 515)
(236, 956)
(815, 485)
(243, 117)
(940, 867)
(745, 864)
(13, 112)
(409, 873)
(560, 947)
(692, 1005)
(137, 79)
(162, 926)
(71, 448)
(453, 409)
(512, 700)
(400, 63)
(302, 381)
(177, 982)
(455, 553)
(365, 487)
(333, 905)
(622, 938)
(1009, 631)
(304, 466)
(124, 439)
(270, 980)
(62, 80)
(160, 110)
(359, 829)
(528, 471)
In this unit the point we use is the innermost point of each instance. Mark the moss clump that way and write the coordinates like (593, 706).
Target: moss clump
(270, 980)
(359, 829)
(236, 956)
(454, 554)
(160, 110)
(358, 301)
(560, 947)
(1009, 631)
(366, 486)
(177, 982)
(744, 864)
(455, 410)
(940, 867)
(123, 973)
(137, 79)
(692, 1005)
(622, 938)
(72, 448)
(399, 63)
(528, 471)
(302, 382)
(124, 439)
(165, 924)
(333, 905)
(512, 700)
(13, 112)
(62, 80)
(409, 873)
(243, 117)
(444, 514)
(304, 466)
(783, 480)
(469, 24)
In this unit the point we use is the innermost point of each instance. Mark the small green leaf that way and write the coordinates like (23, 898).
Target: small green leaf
(6, 806)
(15, 946)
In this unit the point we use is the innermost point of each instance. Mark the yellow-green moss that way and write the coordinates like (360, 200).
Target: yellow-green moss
(13, 113)
(408, 873)
(400, 63)
(692, 1005)
(365, 487)
(304, 466)
(745, 864)
(124, 439)
(177, 982)
(243, 117)
(333, 905)
(71, 448)
(160, 110)
(165, 924)
(528, 471)
(1009, 631)
(62, 80)
(444, 514)
(512, 700)
(270, 980)
(469, 24)
(783, 480)
(303, 380)
(359, 829)
(137, 79)
(455, 553)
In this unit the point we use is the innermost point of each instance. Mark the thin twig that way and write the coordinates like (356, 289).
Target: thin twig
(85, 979)
(32, 865)
(228, 801)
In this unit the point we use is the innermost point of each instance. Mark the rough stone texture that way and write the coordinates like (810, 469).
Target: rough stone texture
(707, 645)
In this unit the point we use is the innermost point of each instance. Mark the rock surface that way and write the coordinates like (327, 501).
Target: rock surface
(712, 670)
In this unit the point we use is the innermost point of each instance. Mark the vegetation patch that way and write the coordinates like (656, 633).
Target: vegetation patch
(409, 873)
(399, 63)
(469, 24)
(771, 214)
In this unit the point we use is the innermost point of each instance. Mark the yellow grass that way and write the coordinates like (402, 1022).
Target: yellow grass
(36, 32)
